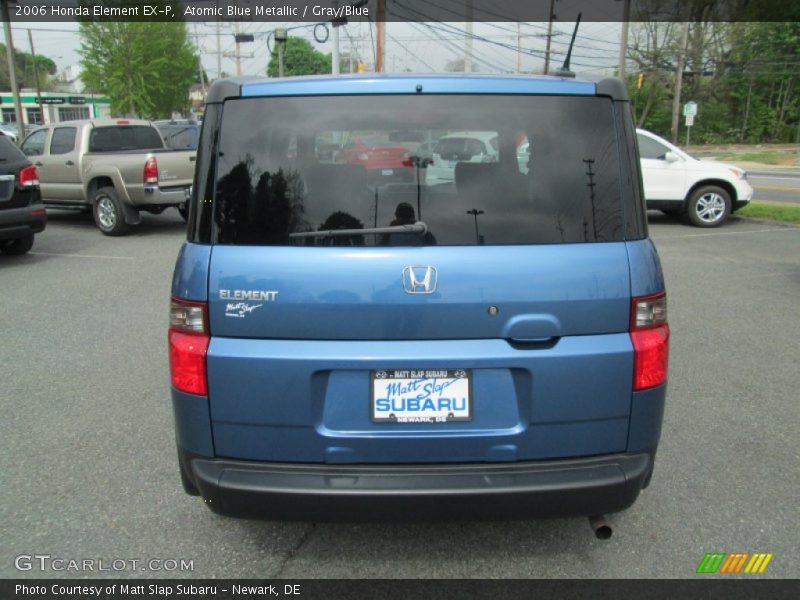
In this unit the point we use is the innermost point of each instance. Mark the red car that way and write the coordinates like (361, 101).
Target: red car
(381, 159)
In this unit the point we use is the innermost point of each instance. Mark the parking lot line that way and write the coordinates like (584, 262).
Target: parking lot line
(83, 256)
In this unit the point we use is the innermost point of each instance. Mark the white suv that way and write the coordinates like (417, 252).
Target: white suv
(676, 183)
(463, 146)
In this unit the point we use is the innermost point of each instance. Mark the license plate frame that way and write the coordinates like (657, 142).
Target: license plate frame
(422, 385)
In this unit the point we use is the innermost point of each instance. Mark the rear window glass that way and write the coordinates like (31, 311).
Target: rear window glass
(502, 170)
(124, 137)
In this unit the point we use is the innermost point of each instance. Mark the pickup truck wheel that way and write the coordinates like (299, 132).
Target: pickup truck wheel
(18, 246)
(108, 213)
(709, 206)
(184, 212)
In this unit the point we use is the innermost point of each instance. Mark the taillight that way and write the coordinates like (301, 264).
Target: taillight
(150, 174)
(29, 176)
(188, 345)
(650, 336)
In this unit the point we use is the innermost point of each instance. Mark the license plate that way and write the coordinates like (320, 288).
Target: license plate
(387, 172)
(421, 396)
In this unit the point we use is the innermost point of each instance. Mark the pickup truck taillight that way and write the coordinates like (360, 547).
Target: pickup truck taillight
(650, 336)
(150, 174)
(29, 176)
(188, 345)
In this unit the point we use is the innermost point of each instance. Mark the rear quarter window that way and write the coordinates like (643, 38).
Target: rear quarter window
(9, 151)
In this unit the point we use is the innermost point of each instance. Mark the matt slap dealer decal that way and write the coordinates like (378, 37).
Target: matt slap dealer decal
(245, 301)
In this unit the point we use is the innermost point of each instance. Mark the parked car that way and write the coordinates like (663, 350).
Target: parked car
(344, 349)
(677, 183)
(460, 147)
(382, 159)
(115, 167)
(9, 131)
(22, 214)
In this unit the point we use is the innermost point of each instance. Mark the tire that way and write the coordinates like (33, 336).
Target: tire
(17, 246)
(109, 215)
(709, 206)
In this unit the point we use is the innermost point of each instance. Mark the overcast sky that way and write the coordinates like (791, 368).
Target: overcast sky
(419, 47)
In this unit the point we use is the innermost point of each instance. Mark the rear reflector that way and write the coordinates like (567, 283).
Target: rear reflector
(29, 176)
(188, 346)
(650, 337)
(150, 174)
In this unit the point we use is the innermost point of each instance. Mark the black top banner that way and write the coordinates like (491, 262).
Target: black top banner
(341, 11)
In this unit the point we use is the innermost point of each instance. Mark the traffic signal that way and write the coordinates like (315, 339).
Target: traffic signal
(640, 81)
(360, 67)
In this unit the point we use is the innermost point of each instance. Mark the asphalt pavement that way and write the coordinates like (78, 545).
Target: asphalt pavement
(775, 185)
(87, 457)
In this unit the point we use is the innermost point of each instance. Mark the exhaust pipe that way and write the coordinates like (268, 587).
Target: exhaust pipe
(602, 530)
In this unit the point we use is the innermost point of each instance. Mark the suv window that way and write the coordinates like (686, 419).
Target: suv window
(124, 137)
(649, 148)
(281, 175)
(34, 143)
(8, 151)
(63, 140)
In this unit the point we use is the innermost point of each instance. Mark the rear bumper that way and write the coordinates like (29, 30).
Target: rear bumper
(282, 491)
(153, 195)
(17, 223)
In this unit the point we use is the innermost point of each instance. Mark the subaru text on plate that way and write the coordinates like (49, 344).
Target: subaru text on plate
(343, 347)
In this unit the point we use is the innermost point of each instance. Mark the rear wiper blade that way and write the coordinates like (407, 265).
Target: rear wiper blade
(418, 227)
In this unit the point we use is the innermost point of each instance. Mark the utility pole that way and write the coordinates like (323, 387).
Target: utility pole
(519, 48)
(281, 35)
(550, 18)
(623, 41)
(335, 54)
(36, 77)
(380, 42)
(676, 100)
(219, 46)
(12, 71)
(237, 54)
(468, 41)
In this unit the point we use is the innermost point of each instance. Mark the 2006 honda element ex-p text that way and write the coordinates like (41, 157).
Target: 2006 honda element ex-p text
(361, 343)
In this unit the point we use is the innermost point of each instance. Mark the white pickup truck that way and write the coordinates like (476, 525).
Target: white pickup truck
(677, 183)
(116, 167)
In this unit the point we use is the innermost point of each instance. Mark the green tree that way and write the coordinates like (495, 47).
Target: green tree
(145, 68)
(300, 58)
(23, 63)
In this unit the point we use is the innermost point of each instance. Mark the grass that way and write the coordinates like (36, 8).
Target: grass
(766, 158)
(774, 211)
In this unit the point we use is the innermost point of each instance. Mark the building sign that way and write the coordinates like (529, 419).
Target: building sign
(54, 101)
(77, 100)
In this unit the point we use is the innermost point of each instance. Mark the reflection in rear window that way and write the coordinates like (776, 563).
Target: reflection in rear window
(504, 170)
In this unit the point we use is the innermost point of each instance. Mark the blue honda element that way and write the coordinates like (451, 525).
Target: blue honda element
(368, 323)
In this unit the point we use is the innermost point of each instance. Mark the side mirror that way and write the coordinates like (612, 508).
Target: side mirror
(671, 157)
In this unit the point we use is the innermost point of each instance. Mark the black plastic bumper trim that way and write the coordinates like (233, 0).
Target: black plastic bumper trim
(572, 487)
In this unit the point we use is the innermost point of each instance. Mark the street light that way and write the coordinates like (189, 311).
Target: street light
(475, 212)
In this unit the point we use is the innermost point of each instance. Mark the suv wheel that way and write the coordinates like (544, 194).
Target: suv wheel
(18, 246)
(108, 213)
(709, 206)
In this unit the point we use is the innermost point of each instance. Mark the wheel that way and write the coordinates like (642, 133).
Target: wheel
(709, 206)
(108, 213)
(17, 246)
(184, 210)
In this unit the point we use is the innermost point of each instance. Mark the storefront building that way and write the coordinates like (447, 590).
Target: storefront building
(55, 107)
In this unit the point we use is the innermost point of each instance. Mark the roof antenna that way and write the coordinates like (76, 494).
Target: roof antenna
(564, 70)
